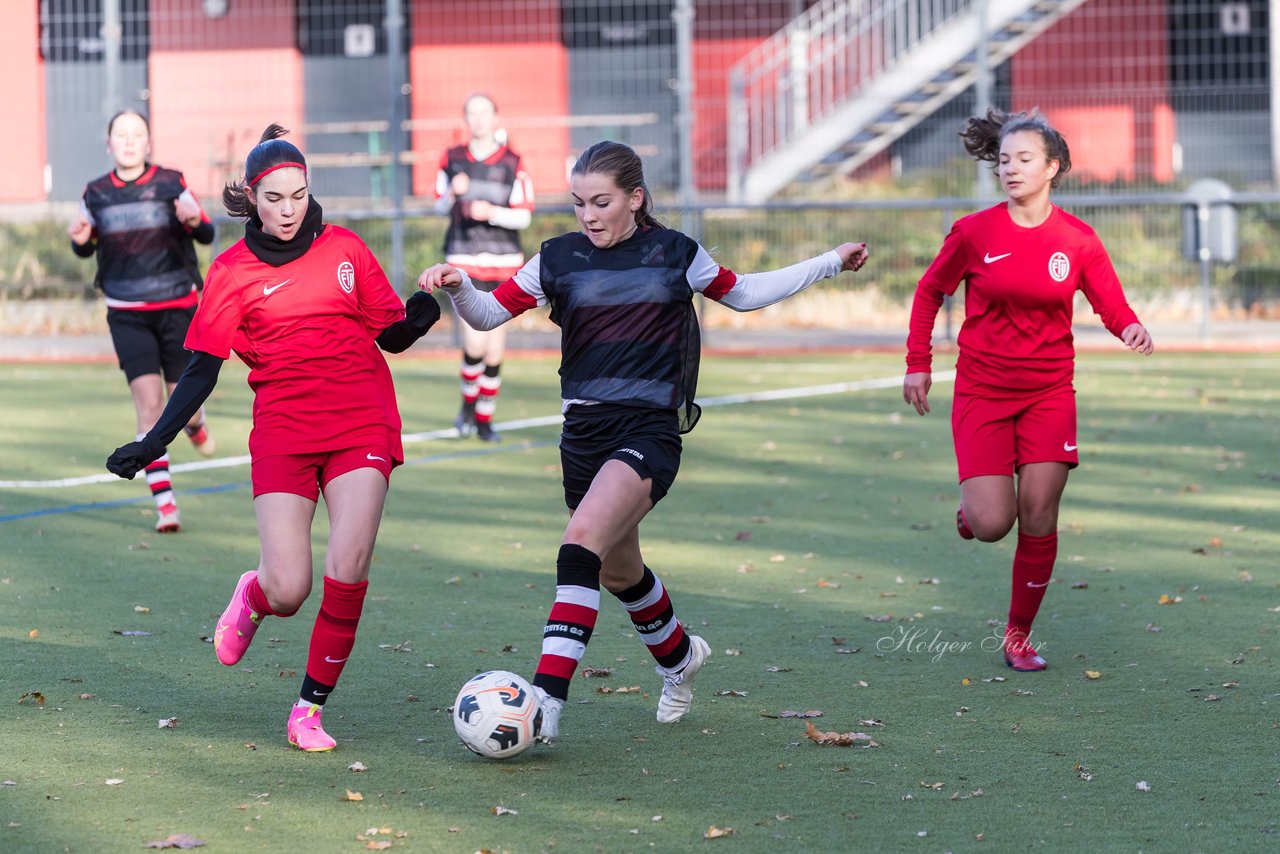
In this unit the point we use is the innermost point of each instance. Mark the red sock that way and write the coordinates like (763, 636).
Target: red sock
(334, 634)
(1032, 567)
(257, 599)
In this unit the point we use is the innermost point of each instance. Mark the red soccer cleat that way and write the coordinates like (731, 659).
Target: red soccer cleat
(1022, 656)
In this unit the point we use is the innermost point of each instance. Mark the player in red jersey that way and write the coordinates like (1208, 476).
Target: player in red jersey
(1014, 412)
(306, 306)
(621, 291)
(140, 220)
(489, 198)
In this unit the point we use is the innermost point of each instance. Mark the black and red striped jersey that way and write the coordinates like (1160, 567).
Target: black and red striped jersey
(486, 251)
(146, 256)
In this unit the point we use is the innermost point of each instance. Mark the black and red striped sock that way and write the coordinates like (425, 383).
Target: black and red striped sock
(655, 621)
(572, 619)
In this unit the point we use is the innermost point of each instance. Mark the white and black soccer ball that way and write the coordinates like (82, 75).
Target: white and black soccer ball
(497, 714)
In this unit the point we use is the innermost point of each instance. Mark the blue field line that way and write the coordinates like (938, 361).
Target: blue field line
(227, 487)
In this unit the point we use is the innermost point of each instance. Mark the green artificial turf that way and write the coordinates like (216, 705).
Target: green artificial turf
(810, 540)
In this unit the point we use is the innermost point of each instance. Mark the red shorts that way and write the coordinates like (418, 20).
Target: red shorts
(994, 436)
(308, 474)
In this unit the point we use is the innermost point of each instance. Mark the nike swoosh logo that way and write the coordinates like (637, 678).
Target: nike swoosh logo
(334, 660)
(372, 457)
(989, 258)
(268, 291)
(1033, 584)
(1067, 446)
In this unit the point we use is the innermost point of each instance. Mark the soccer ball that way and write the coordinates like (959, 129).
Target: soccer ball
(497, 714)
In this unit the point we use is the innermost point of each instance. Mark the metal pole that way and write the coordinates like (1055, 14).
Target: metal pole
(984, 186)
(1275, 95)
(395, 134)
(112, 34)
(1202, 233)
(682, 15)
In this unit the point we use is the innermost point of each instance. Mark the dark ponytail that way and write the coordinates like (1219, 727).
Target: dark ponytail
(269, 154)
(982, 136)
(623, 165)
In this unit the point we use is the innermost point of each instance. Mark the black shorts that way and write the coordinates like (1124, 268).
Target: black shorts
(151, 342)
(648, 440)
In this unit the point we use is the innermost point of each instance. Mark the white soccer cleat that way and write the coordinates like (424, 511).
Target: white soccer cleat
(677, 688)
(551, 709)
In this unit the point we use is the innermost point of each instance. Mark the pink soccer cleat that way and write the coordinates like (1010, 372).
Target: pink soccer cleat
(168, 521)
(1022, 656)
(237, 624)
(306, 732)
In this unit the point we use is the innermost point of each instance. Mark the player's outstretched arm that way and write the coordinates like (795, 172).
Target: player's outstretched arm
(751, 291)
(192, 390)
(854, 255)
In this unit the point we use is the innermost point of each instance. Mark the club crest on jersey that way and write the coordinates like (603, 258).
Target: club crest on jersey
(656, 255)
(347, 276)
(1059, 266)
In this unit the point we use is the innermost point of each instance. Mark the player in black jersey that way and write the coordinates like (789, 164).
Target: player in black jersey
(621, 291)
(141, 220)
(483, 187)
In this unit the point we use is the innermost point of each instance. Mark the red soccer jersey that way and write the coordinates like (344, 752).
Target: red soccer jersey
(306, 330)
(1020, 286)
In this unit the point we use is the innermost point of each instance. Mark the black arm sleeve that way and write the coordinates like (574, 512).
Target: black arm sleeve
(421, 312)
(193, 389)
(86, 249)
(203, 233)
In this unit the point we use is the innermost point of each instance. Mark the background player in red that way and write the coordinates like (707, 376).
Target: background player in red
(621, 291)
(1014, 412)
(302, 303)
(140, 219)
(489, 198)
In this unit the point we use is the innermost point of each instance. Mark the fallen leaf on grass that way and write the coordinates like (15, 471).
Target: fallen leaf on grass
(503, 811)
(777, 670)
(1143, 786)
(378, 844)
(168, 723)
(845, 650)
(1092, 674)
(176, 840)
(838, 739)
(1212, 698)
(596, 672)
(733, 651)
(32, 695)
(714, 832)
(141, 609)
(881, 618)
(731, 693)
(1166, 599)
(788, 713)
(357, 767)
(1080, 585)
(114, 781)
(605, 689)
(1083, 773)
(935, 786)
(130, 633)
(1152, 627)
(742, 535)
(352, 796)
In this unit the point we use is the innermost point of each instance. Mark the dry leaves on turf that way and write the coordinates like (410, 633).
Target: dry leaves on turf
(176, 840)
(788, 713)
(838, 739)
(168, 723)
(35, 696)
(352, 796)
(605, 689)
(596, 672)
(714, 832)
(357, 767)
(503, 811)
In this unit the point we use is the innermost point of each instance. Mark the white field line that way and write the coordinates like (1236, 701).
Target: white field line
(506, 427)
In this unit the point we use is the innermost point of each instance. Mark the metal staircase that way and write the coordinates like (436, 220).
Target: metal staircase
(847, 78)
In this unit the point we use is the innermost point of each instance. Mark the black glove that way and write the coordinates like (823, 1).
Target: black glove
(128, 460)
(422, 311)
